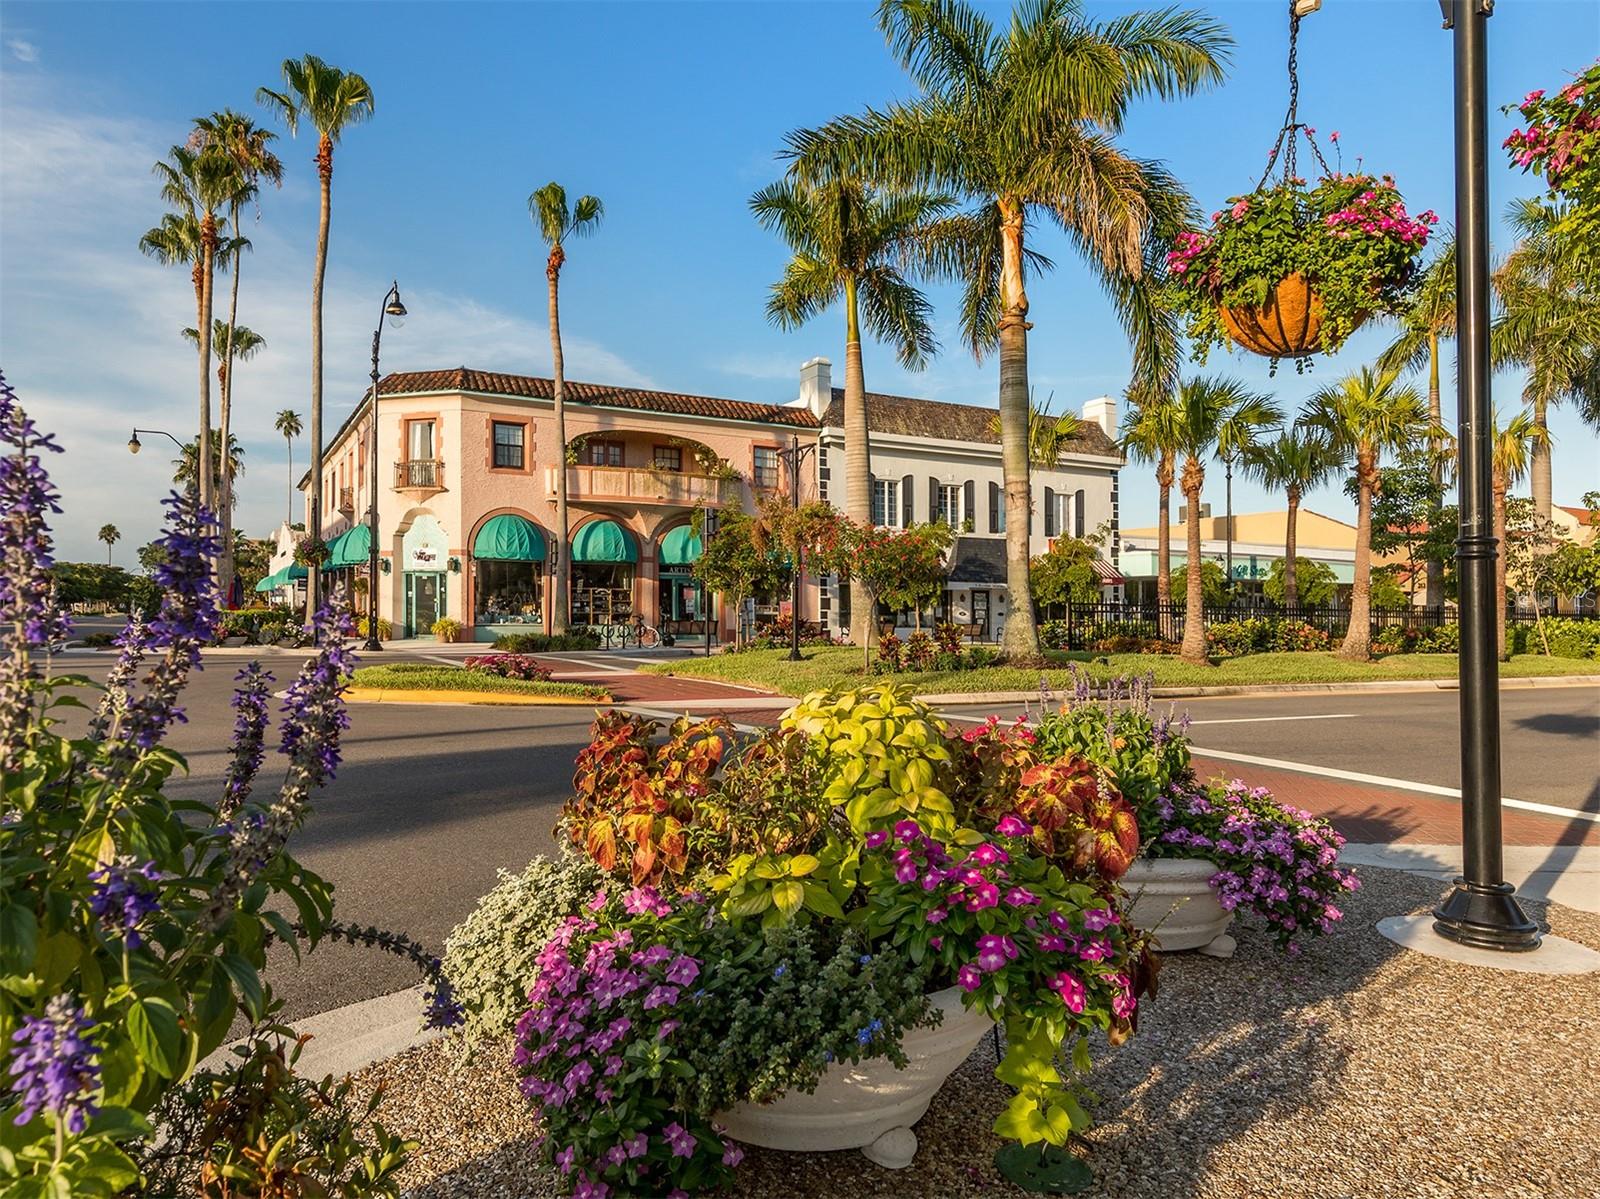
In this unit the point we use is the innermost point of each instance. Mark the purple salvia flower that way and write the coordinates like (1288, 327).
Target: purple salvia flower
(443, 1009)
(54, 1067)
(249, 733)
(114, 700)
(125, 892)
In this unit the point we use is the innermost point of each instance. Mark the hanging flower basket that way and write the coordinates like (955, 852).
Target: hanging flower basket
(1291, 271)
(310, 551)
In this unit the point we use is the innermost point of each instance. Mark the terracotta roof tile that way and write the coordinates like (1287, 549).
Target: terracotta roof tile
(912, 417)
(635, 398)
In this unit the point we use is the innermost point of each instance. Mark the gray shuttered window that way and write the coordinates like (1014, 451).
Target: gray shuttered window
(996, 507)
(969, 506)
(908, 512)
(1050, 529)
(1077, 513)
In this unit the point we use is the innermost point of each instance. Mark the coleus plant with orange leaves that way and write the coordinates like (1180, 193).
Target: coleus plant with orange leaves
(633, 801)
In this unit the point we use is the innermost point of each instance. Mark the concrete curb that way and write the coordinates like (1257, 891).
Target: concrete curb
(347, 1038)
(1385, 685)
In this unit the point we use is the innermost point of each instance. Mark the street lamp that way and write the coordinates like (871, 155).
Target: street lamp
(391, 307)
(795, 453)
(135, 445)
(1482, 909)
(708, 530)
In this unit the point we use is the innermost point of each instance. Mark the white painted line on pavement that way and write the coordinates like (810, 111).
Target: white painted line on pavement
(1274, 719)
(1382, 781)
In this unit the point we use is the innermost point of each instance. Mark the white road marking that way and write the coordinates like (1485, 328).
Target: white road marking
(1272, 719)
(1382, 781)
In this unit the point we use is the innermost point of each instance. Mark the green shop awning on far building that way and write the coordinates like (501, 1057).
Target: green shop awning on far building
(603, 541)
(282, 578)
(353, 547)
(509, 538)
(680, 547)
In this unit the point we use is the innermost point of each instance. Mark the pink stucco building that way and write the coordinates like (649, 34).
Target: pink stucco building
(467, 471)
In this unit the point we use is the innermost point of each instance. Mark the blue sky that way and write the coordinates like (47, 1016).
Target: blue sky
(672, 114)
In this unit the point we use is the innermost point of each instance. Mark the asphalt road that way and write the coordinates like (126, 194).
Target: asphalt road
(430, 800)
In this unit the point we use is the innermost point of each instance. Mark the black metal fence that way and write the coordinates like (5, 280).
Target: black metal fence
(1082, 626)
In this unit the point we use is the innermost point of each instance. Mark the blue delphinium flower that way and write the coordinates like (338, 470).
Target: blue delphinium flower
(54, 1067)
(780, 970)
(124, 894)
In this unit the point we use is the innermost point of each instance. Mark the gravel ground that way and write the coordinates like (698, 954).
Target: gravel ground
(1353, 1071)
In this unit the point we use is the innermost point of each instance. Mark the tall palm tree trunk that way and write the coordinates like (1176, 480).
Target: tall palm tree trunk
(1433, 588)
(857, 449)
(1291, 582)
(1539, 468)
(1021, 639)
(1164, 533)
(207, 283)
(559, 607)
(225, 416)
(289, 441)
(1498, 488)
(314, 525)
(1358, 638)
(1194, 610)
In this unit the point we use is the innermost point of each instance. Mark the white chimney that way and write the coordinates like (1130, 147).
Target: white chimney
(1102, 411)
(816, 386)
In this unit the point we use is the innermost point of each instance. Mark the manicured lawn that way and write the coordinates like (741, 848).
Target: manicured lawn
(835, 667)
(416, 676)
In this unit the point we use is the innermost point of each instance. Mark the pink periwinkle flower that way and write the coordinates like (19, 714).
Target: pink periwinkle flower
(1013, 826)
(598, 902)
(732, 1155)
(679, 1139)
(988, 854)
(968, 978)
(1020, 897)
(878, 839)
(985, 896)
(1071, 989)
(907, 830)
(1096, 919)
(994, 951)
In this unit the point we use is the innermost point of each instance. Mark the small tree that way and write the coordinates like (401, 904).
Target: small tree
(1213, 583)
(1538, 558)
(737, 562)
(1408, 518)
(1314, 580)
(1386, 591)
(904, 569)
(1066, 573)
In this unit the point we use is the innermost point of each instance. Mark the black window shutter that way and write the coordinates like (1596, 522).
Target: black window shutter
(1050, 529)
(969, 497)
(933, 498)
(1077, 512)
(908, 511)
(995, 501)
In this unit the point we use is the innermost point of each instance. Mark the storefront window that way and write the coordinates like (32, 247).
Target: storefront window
(602, 592)
(508, 592)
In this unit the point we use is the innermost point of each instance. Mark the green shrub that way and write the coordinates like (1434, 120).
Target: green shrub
(489, 957)
(446, 629)
(543, 643)
(1568, 638)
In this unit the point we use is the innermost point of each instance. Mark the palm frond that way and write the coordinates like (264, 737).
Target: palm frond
(944, 45)
(895, 312)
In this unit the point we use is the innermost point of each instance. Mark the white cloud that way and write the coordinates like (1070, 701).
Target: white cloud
(90, 327)
(23, 51)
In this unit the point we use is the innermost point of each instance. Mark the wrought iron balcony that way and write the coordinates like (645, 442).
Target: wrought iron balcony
(643, 486)
(419, 474)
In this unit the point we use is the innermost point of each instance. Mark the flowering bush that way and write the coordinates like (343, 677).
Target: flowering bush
(310, 551)
(649, 1015)
(510, 666)
(1409, 639)
(133, 928)
(1562, 141)
(1277, 861)
(1349, 236)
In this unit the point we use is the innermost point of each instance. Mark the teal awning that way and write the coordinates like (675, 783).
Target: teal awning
(680, 547)
(603, 541)
(509, 538)
(282, 578)
(353, 547)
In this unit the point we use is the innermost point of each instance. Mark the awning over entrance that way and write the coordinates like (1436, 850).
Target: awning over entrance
(979, 560)
(680, 547)
(509, 538)
(603, 541)
(353, 547)
(1108, 574)
(282, 578)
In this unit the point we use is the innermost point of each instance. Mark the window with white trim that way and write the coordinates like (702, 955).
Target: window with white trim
(950, 505)
(886, 503)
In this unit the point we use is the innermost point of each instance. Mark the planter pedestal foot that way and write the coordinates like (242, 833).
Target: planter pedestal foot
(893, 1150)
(1220, 946)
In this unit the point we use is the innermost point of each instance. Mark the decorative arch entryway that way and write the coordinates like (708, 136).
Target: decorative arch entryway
(507, 557)
(605, 568)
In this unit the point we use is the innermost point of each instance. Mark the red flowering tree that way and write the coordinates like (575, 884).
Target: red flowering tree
(901, 568)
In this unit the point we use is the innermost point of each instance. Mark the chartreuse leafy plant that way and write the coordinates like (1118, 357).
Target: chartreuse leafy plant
(134, 926)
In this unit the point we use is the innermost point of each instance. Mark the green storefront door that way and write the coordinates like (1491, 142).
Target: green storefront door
(424, 601)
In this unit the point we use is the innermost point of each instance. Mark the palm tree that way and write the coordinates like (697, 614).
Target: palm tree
(1296, 461)
(287, 423)
(1362, 416)
(246, 342)
(854, 242)
(1428, 319)
(199, 184)
(330, 99)
(1549, 290)
(1153, 433)
(1019, 122)
(110, 535)
(557, 222)
(247, 146)
(183, 468)
(1210, 413)
(1510, 455)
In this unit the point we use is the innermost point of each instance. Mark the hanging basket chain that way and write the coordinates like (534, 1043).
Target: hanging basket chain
(1287, 136)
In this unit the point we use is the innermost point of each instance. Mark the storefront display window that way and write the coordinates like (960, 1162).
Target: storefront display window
(508, 592)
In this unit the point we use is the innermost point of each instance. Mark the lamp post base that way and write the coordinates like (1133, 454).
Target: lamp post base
(1485, 916)
(372, 646)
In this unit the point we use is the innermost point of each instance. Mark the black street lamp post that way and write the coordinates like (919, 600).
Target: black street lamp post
(1482, 909)
(391, 307)
(708, 530)
(135, 445)
(796, 454)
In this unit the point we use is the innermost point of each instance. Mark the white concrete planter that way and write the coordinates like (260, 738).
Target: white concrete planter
(869, 1106)
(1172, 896)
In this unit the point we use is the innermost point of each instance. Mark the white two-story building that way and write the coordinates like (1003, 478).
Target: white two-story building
(932, 460)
